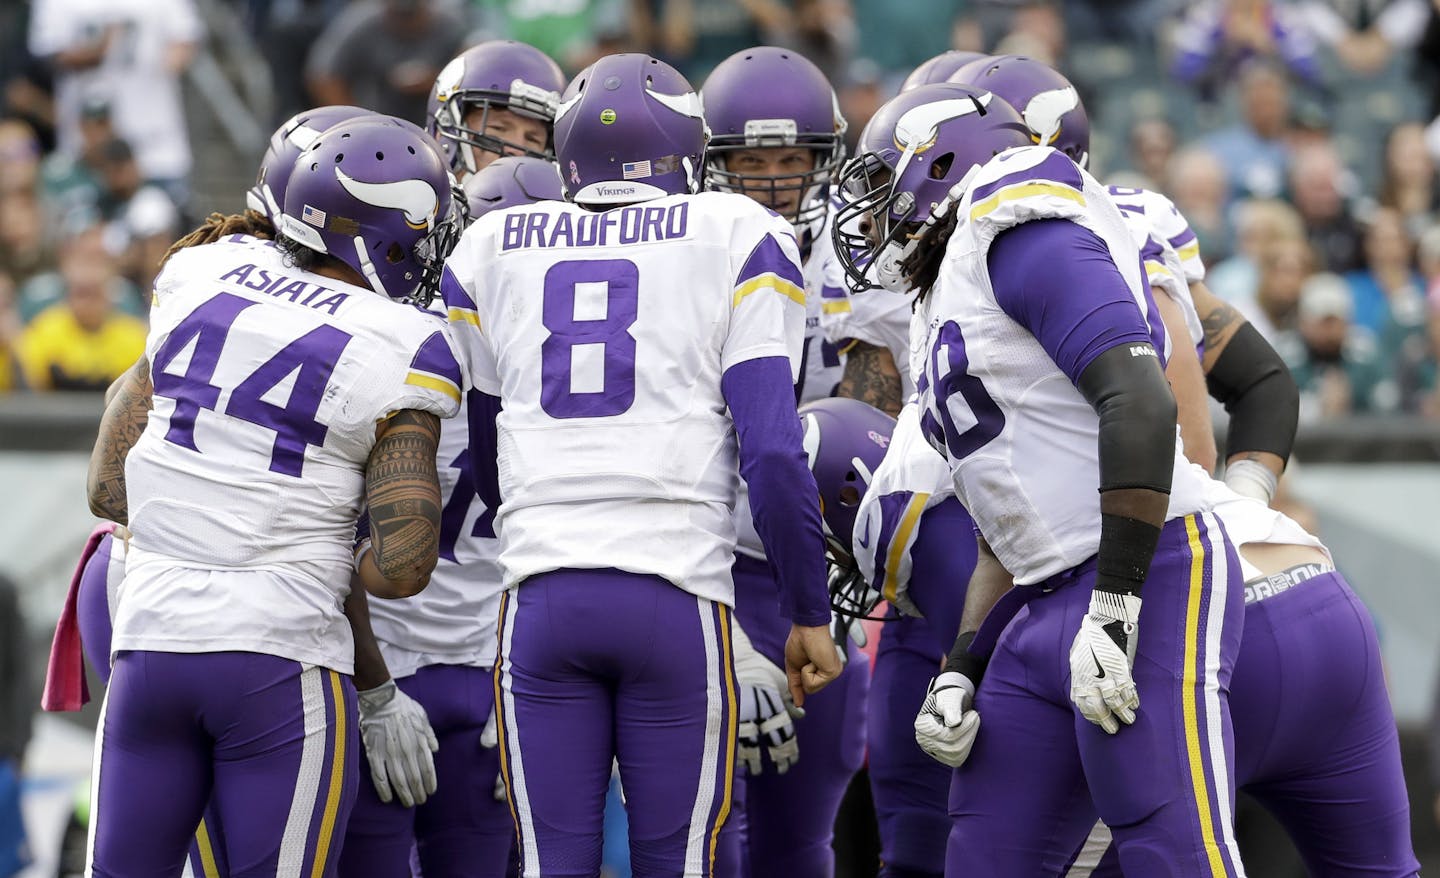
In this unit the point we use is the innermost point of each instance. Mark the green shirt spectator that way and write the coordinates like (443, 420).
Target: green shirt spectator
(1338, 367)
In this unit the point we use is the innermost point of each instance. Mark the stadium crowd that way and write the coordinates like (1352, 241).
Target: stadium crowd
(1322, 226)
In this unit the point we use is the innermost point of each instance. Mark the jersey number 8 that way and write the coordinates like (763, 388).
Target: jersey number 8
(587, 341)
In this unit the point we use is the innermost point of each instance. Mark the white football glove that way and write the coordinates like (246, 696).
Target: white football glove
(398, 742)
(947, 724)
(767, 712)
(1101, 657)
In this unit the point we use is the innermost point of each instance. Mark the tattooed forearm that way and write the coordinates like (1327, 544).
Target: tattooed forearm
(1219, 324)
(403, 492)
(871, 377)
(124, 420)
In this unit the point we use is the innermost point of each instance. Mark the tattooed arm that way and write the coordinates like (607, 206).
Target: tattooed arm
(127, 407)
(403, 494)
(871, 377)
(1244, 373)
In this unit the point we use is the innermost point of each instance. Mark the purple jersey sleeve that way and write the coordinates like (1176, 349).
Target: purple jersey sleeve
(784, 500)
(1073, 300)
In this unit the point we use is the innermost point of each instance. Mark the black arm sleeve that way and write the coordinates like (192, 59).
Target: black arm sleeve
(1255, 387)
(1127, 388)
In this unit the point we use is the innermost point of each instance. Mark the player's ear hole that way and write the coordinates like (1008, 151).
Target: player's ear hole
(394, 254)
(941, 166)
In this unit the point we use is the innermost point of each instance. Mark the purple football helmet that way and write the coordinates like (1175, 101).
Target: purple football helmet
(939, 69)
(844, 440)
(510, 181)
(1045, 100)
(914, 151)
(495, 74)
(375, 194)
(629, 129)
(770, 97)
(267, 196)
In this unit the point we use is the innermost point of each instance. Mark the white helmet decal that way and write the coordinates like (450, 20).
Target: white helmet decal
(917, 129)
(415, 198)
(1043, 113)
(448, 82)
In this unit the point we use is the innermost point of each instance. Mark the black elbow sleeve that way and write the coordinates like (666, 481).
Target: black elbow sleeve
(1127, 388)
(1256, 388)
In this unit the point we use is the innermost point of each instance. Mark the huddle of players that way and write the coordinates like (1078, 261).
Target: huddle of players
(613, 431)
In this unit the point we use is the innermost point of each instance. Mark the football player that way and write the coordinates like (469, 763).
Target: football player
(439, 646)
(1241, 369)
(281, 388)
(612, 333)
(777, 136)
(1095, 407)
(494, 99)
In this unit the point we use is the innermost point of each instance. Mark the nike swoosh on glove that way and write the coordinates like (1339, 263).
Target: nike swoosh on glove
(1101, 656)
(398, 744)
(946, 725)
(767, 713)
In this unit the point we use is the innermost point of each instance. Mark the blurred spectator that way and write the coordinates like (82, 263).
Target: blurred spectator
(1260, 226)
(19, 156)
(9, 332)
(1254, 151)
(861, 91)
(133, 52)
(1336, 366)
(1152, 146)
(285, 30)
(72, 182)
(1408, 183)
(141, 222)
(24, 250)
(1037, 30)
(1366, 33)
(900, 35)
(85, 243)
(695, 35)
(1200, 189)
(1415, 344)
(572, 33)
(1320, 187)
(25, 82)
(82, 342)
(384, 55)
(1387, 287)
(1283, 269)
(1128, 21)
(17, 707)
(1216, 38)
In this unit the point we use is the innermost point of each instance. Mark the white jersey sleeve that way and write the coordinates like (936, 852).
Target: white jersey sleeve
(1169, 224)
(1021, 441)
(1164, 272)
(911, 479)
(606, 335)
(245, 485)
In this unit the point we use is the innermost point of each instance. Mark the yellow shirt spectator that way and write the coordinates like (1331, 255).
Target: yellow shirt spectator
(57, 352)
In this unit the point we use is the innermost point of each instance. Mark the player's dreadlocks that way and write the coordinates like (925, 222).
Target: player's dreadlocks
(219, 225)
(922, 266)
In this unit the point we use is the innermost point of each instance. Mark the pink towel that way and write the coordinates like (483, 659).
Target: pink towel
(65, 686)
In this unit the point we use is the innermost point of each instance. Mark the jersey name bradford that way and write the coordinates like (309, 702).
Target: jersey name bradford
(628, 225)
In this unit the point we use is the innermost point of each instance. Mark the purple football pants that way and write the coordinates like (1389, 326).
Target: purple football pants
(1164, 785)
(602, 665)
(269, 743)
(206, 856)
(784, 824)
(1315, 739)
(461, 830)
(909, 788)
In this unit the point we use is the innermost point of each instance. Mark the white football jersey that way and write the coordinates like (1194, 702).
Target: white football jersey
(1163, 270)
(245, 485)
(1168, 223)
(606, 335)
(451, 622)
(912, 478)
(1247, 520)
(1021, 441)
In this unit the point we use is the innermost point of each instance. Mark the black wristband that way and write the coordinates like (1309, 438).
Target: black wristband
(1127, 546)
(962, 661)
